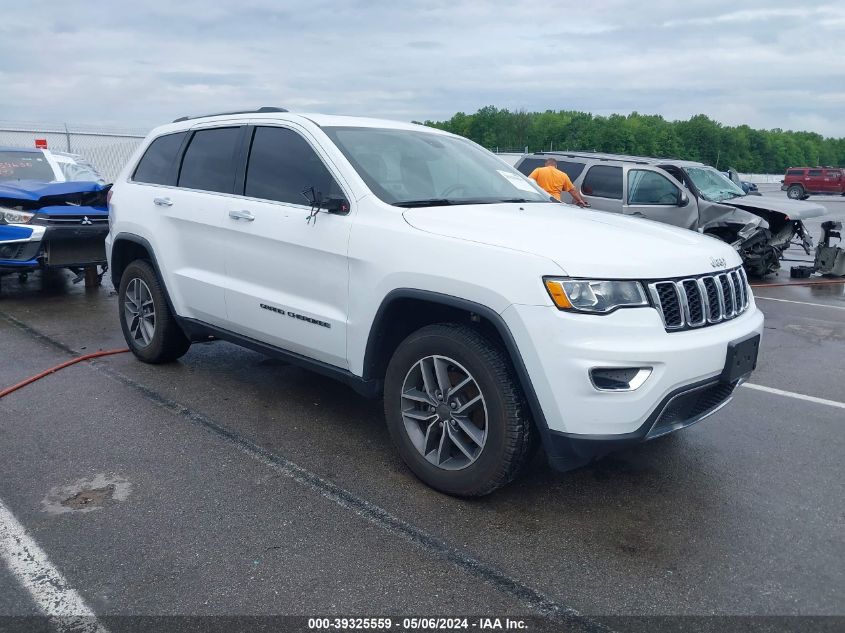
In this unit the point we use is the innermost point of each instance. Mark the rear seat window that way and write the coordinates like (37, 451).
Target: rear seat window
(603, 181)
(209, 162)
(158, 165)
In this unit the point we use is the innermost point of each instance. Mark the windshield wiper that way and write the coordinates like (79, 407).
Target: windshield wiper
(426, 202)
(443, 202)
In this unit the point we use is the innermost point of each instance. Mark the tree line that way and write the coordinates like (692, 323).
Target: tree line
(699, 138)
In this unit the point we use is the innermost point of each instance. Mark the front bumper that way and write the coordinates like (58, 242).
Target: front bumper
(20, 245)
(678, 410)
(29, 246)
(559, 349)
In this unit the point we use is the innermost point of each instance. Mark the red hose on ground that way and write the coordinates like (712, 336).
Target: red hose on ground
(53, 370)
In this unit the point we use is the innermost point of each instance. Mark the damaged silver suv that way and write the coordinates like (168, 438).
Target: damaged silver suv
(690, 195)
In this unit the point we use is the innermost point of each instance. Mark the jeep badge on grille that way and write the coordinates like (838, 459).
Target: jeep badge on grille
(718, 262)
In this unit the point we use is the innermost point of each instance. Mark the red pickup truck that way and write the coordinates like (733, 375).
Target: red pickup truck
(800, 182)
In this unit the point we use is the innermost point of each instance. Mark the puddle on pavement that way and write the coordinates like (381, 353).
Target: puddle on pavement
(91, 498)
(86, 495)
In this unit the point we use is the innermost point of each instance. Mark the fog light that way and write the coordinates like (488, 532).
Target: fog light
(619, 378)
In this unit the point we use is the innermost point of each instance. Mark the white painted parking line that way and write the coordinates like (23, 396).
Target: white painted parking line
(797, 396)
(803, 303)
(48, 588)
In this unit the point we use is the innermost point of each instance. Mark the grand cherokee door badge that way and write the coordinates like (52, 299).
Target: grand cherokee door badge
(294, 315)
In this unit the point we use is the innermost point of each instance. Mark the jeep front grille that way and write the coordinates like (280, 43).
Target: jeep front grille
(699, 301)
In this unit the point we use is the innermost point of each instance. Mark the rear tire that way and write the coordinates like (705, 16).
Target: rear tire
(150, 330)
(455, 410)
(795, 192)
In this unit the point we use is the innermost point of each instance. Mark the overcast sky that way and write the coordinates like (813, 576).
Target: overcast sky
(768, 64)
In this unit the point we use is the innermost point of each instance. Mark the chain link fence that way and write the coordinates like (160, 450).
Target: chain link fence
(107, 149)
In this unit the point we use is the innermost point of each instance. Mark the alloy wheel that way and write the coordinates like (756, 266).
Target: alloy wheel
(444, 412)
(139, 312)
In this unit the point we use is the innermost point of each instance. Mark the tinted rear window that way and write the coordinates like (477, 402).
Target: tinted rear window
(530, 164)
(573, 170)
(25, 166)
(209, 162)
(603, 181)
(814, 172)
(157, 166)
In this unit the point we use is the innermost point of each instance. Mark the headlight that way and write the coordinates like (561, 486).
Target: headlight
(596, 296)
(10, 216)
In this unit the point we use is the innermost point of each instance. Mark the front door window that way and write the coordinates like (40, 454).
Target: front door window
(650, 188)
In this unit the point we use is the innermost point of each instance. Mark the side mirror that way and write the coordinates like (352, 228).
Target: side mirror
(337, 206)
(683, 200)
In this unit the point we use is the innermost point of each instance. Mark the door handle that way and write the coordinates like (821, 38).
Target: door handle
(163, 202)
(241, 215)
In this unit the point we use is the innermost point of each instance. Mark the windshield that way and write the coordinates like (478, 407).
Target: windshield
(409, 168)
(78, 169)
(25, 166)
(713, 185)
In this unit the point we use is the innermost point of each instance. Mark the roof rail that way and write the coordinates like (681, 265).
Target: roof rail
(601, 156)
(261, 110)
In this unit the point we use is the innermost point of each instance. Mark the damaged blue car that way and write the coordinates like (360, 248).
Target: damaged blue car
(51, 216)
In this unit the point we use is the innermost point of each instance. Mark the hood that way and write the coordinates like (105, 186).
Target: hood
(31, 195)
(793, 209)
(583, 243)
(34, 190)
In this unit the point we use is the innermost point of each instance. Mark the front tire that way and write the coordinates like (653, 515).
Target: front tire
(455, 410)
(795, 192)
(150, 329)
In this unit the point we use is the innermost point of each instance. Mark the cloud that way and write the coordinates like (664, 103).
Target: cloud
(749, 16)
(763, 65)
(200, 78)
(425, 45)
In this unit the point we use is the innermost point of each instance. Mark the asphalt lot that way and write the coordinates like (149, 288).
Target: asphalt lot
(255, 488)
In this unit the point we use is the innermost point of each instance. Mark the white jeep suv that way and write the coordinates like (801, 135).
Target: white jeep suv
(413, 264)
